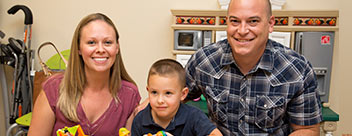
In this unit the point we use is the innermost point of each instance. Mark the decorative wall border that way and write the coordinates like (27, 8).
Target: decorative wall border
(223, 20)
(281, 21)
(314, 21)
(196, 20)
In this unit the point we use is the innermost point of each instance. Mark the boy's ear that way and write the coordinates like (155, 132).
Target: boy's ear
(184, 93)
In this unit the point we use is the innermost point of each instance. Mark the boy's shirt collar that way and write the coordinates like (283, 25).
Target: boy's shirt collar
(179, 119)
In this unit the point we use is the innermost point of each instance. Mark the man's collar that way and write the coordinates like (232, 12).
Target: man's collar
(266, 62)
(214, 65)
(226, 57)
(215, 58)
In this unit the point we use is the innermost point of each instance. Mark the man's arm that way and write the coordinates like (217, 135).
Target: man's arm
(194, 90)
(309, 99)
(215, 132)
(312, 130)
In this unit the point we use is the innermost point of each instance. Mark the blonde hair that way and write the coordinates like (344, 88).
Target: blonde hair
(74, 81)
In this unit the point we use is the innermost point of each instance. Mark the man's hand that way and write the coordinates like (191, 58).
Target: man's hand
(141, 106)
(299, 130)
(134, 113)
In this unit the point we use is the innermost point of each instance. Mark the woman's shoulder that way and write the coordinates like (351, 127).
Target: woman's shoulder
(126, 85)
(128, 89)
(129, 93)
(53, 81)
(51, 88)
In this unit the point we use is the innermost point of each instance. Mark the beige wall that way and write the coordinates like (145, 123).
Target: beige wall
(145, 32)
(341, 98)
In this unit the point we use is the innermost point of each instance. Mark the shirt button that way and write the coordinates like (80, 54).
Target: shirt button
(241, 100)
(265, 105)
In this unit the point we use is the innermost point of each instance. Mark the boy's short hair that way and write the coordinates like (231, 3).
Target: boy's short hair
(166, 67)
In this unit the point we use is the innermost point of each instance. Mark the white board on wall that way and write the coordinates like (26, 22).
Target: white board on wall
(220, 35)
(183, 59)
(281, 37)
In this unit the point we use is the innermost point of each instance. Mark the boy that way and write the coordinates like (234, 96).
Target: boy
(166, 89)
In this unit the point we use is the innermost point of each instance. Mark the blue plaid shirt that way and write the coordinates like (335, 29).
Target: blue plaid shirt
(279, 90)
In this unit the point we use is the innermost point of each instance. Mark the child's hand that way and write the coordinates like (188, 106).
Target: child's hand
(158, 134)
(168, 134)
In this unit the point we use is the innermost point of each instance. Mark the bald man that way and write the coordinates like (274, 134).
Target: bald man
(253, 85)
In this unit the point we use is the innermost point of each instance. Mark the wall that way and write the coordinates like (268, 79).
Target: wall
(340, 92)
(341, 99)
(145, 32)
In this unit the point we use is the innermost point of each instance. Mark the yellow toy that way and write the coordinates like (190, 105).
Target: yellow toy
(70, 131)
(123, 132)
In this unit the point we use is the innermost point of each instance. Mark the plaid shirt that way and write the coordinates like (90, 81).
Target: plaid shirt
(279, 90)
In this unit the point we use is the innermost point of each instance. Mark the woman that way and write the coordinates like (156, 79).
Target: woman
(95, 91)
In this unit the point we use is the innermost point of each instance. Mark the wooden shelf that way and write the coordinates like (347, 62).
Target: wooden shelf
(199, 12)
(278, 13)
(199, 27)
(306, 13)
(305, 28)
(175, 52)
(276, 28)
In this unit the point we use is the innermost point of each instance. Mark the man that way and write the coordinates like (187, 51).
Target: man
(253, 85)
